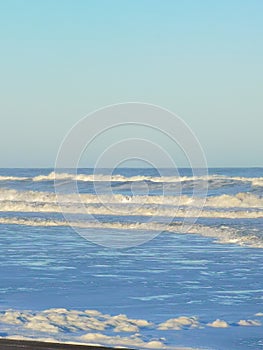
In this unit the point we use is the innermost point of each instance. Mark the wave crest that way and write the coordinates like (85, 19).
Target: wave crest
(211, 179)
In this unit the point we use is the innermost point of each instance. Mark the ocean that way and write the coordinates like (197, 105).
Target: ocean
(134, 258)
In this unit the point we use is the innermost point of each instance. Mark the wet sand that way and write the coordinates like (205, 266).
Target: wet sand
(10, 344)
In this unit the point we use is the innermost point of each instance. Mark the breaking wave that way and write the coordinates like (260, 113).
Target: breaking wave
(216, 179)
(241, 205)
(221, 234)
(155, 209)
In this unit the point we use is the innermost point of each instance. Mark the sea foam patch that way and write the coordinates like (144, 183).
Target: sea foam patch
(94, 327)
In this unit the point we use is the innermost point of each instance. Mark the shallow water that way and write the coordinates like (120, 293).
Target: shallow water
(214, 271)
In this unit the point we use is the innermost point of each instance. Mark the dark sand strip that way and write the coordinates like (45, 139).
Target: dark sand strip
(9, 344)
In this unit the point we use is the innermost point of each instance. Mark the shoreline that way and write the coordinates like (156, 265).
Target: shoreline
(15, 344)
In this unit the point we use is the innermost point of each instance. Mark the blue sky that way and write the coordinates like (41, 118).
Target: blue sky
(60, 60)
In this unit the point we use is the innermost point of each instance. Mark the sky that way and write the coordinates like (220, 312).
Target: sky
(62, 59)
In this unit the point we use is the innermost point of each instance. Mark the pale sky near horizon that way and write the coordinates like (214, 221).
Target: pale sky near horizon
(201, 59)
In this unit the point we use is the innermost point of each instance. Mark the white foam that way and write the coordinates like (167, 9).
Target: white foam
(218, 324)
(222, 234)
(130, 211)
(65, 324)
(118, 178)
(179, 323)
(101, 339)
(212, 179)
(249, 323)
(244, 205)
(14, 178)
(185, 206)
(98, 339)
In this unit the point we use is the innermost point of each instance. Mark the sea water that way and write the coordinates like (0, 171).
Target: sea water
(200, 287)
